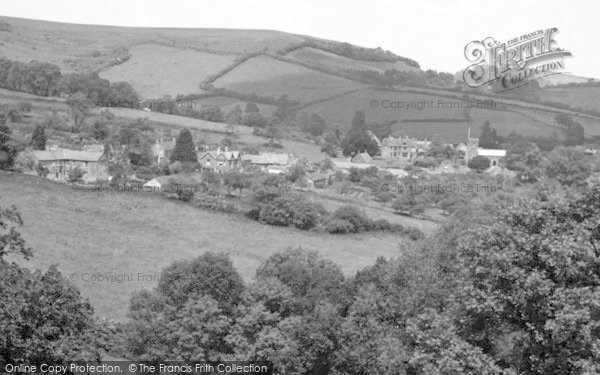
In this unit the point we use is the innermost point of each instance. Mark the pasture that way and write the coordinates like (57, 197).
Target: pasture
(131, 237)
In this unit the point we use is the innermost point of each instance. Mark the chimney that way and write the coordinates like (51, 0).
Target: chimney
(226, 148)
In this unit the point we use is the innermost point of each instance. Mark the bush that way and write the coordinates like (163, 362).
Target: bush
(215, 203)
(340, 226)
(308, 216)
(278, 212)
(185, 195)
(381, 224)
(359, 221)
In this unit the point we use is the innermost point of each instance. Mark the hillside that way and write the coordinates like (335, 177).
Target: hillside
(333, 79)
(140, 233)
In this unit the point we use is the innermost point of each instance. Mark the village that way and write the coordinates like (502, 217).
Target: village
(397, 156)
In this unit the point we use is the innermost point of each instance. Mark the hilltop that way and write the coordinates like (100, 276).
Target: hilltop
(330, 78)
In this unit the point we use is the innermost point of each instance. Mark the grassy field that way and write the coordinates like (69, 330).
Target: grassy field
(342, 108)
(116, 234)
(156, 70)
(269, 77)
(584, 97)
(72, 46)
(325, 59)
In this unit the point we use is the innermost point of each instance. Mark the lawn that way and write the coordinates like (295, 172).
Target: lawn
(125, 236)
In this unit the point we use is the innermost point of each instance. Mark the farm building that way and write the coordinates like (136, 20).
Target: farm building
(59, 162)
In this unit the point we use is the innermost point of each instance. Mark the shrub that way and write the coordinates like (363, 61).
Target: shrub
(185, 195)
(280, 212)
(359, 221)
(340, 226)
(414, 233)
(215, 203)
(381, 224)
(308, 216)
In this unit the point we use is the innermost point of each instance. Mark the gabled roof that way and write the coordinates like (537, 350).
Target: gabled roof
(66, 154)
(364, 156)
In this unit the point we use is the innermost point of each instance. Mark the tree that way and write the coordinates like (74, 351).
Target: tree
(574, 131)
(99, 130)
(488, 138)
(358, 140)
(184, 150)
(251, 108)
(11, 241)
(569, 166)
(311, 278)
(38, 138)
(479, 163)
(236, 181)
(60, 329)
(234, 116)
(529, 292)
(273, 132)
(209, 274)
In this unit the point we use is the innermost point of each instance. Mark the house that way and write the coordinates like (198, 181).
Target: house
(163, 148)
(220, 160)
(59, 162)
(403, 148)
(362, 157)
(473, 150)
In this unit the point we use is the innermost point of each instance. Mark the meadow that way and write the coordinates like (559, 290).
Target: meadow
(270, 77)
(131, 237)
(155, 70)
(313, 56)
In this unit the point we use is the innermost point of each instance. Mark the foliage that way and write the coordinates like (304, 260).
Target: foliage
(358, 140)
(479, 163)
(184, 150)
(531, 278)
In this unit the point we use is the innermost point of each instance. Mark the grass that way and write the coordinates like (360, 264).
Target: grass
(269, 77)
(326, 59)
(156, 70)
(584, 97)
(117, 234)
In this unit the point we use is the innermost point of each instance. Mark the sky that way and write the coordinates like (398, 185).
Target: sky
(432, 32)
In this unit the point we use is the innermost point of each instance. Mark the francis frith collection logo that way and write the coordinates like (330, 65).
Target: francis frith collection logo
(514, 63)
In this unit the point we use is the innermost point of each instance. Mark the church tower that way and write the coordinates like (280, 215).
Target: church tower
(472, 146)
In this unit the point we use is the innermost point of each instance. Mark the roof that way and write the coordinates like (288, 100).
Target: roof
(66, 154)
(364, 155)
(215, 154)
(269, 158)
(175, 179)
(491, 152)
(348, 165)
